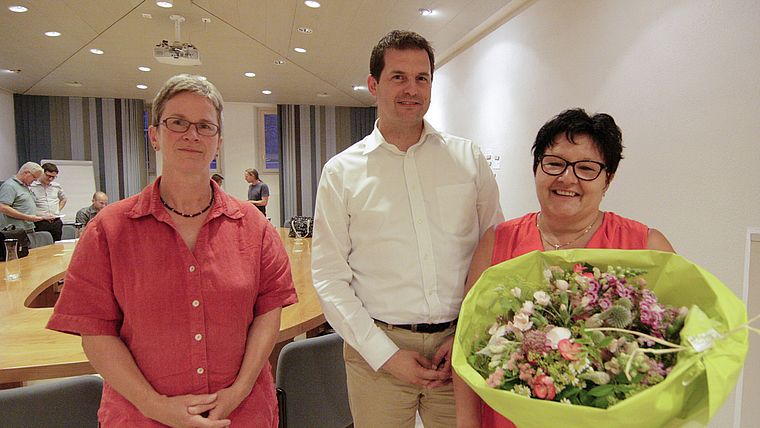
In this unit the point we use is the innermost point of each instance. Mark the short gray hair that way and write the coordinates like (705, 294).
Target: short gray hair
(32, 167)
(186, 83)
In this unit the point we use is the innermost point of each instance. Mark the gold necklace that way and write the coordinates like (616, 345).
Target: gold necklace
(558, 246)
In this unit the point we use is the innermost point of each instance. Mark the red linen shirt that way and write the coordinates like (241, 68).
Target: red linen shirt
(184, 315)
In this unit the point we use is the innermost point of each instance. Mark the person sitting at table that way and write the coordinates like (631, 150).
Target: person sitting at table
(99, 201)
(177, 292)
(575, 157)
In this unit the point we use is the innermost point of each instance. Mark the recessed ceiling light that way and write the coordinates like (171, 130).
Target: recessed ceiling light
(147, 16)
(141, 87)
(305, 30)
(358, 87)
(323, 95)
(17, 9)
(75, 84)
(312, 3)
(143, 68)
(249, 74)
(166, 4)
(425, 12)
(299, 50)
(96, 51)
(10, 71)
(266, 92)
(279, 62)
(52, 33)
(202, 77)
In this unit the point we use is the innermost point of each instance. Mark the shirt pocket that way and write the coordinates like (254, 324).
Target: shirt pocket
(458, 208)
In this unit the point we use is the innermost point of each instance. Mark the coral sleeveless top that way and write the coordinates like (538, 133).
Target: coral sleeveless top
(520, 236)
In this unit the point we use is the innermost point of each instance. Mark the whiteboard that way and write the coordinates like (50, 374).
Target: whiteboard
(77, 178)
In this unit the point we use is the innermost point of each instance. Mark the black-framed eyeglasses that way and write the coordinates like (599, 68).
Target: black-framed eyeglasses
(177, 124)
(585, 170)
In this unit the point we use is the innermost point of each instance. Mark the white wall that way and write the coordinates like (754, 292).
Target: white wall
(680, 77)
(239, 153)
(8, 162)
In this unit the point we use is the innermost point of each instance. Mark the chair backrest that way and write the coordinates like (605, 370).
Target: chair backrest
(39, 239)
(312, 374)
(67, 403)
(68, 232)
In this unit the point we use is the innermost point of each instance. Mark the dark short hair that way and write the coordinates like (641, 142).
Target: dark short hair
(601, 128)
(218, 178)
(401, 40)
(49, 167)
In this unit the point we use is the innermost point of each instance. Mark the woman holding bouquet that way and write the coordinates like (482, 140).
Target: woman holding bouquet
(575, 157)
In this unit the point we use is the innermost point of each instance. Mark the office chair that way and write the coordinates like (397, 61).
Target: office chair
(311, 375)
(67, 403)
(39, 239)
(68, 232)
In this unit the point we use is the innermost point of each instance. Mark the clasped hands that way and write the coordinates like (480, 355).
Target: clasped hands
(412, 367)
(198, 411)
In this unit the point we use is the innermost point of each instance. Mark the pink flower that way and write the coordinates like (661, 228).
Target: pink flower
(578, 268)
(543, 387)
(494, 380)
(569, 350)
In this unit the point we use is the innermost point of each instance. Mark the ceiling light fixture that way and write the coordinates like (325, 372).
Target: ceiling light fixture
(312, 4)
(358, 87)
(279, 62)
(18, 9)
(52, 33)
(96, 51)
(75, 84)
(143, 68)
(166, 4)
(249, 74)
(305, 30)
(141, 87)
(300, 50)
(323, 94)
(10, 71)
(425, 12)
(266, 92)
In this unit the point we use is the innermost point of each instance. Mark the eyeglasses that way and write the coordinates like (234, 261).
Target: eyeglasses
(585, 170)
(181, 125)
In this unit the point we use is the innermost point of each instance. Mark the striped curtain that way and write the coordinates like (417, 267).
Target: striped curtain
(309, 137)
(109, 132)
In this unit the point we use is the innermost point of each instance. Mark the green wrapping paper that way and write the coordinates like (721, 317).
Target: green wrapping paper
(694, 390)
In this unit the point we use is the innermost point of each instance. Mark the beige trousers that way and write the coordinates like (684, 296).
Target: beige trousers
(379, 400)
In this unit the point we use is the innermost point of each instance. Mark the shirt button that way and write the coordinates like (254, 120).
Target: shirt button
(196, 303)
(198, 336)
(430, 293)
(200, 370)
(192, 268)
(419, 221)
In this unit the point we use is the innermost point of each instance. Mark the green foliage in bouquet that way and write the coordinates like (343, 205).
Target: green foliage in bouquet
(573, 346)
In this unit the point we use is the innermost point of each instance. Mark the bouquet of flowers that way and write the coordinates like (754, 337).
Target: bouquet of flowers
(561, 337)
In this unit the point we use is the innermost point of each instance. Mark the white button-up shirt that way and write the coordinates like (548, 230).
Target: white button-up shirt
(394, 234)
(48, 197)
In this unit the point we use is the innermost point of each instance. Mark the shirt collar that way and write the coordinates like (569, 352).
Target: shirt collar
(378, 140)
(149, 203)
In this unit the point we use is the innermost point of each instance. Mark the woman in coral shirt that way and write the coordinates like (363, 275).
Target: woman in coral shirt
(177, 291)
(575, 159)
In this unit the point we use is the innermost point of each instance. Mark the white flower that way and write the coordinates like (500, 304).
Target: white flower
(562, 285)
(523, 322)
(517, 292)
(527, 308)
(555, 335)
(542, 298)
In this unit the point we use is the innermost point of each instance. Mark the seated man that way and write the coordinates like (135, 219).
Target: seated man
(50, 200)
(99, 201)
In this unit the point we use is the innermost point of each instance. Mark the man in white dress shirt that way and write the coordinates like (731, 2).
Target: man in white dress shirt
(50, 201)
(398, 216)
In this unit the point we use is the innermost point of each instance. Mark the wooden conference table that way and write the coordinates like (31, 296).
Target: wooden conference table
(30, 352)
